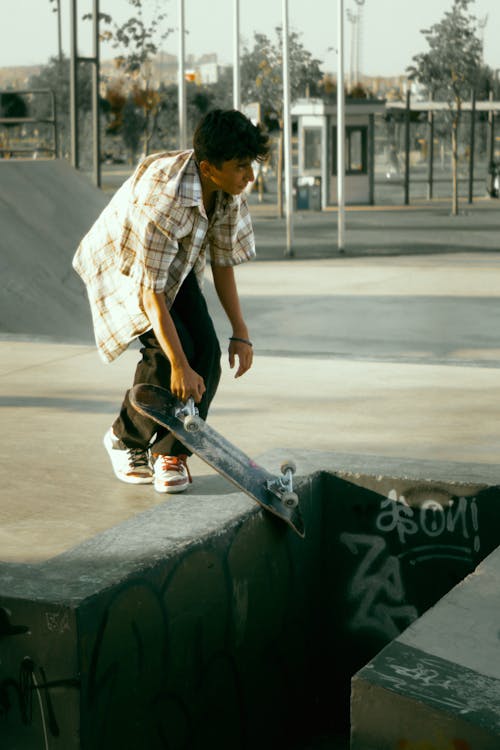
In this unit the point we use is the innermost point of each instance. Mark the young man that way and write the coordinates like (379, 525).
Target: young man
(143, 263)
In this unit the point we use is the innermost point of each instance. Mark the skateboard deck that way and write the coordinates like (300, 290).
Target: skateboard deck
(272, 492)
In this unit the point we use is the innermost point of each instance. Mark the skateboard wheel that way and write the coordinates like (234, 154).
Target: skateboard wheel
(192, 423)
(290, 499)
(288, 466)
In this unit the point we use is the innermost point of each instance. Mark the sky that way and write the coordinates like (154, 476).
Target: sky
(390, 30)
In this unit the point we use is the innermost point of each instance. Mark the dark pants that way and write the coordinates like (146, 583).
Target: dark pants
(199, 341)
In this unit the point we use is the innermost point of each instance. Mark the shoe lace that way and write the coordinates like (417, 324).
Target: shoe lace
(137, 457)
(174, 463)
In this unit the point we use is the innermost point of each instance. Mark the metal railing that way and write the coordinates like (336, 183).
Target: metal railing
(50, 120)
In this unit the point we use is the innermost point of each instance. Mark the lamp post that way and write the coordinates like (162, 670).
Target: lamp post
(59, 31)
(287, 133)
(340, 129)
(75, 59)
(236, 57)
(353, 20)
(182, 79)
(360, 4)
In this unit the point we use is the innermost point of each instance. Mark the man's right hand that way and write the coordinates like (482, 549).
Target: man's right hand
(186, 383)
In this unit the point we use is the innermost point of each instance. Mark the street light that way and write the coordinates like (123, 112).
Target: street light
(182, 80)
(353, 19)
(360, 4)
(236, 57)
(287, 132)
(340, 128)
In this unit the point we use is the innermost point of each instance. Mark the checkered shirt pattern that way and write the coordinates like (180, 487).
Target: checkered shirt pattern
(152, 233)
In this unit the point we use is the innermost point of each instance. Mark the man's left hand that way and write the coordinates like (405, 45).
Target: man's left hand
(244, 352)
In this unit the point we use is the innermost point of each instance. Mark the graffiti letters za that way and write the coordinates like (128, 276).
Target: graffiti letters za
(378, 587)
(449, 529)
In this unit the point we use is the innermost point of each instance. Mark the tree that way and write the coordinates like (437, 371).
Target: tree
(199, 99)
(449, 70)
(262, 73)
(132, 125)
(140, 37)
(262, 81)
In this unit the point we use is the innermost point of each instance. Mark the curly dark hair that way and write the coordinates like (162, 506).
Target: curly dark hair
(223, 135)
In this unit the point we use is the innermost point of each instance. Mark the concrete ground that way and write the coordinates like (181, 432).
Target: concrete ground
(379, 351)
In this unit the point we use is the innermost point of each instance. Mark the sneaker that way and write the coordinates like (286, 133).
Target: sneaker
(171, 473)
(129, 464)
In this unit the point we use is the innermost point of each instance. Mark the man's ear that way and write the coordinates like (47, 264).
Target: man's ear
(206, 169)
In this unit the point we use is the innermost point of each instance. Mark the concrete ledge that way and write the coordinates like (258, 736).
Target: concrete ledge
(438, 683)
(191, 625)
(407, 698)
(204, 622)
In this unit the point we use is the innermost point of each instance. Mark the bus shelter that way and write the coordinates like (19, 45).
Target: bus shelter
(316, 173)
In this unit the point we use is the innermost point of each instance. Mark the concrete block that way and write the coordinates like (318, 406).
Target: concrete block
(205, 622)
(437, 686)
(193, 625)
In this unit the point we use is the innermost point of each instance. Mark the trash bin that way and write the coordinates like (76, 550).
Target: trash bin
(302, 197)
(308, 194)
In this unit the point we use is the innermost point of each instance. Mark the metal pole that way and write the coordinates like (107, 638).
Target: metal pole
(95, 96)
(472, 145)
(59, 32)
(371, 158)
(73, 87)
(359, 31)
(491, 132)
(60, 58)
(54, 123)
(287, 133)
(340, 129)
(430, 172)
(236, 57)
(407, 147)
(182, 80)
(353, 20)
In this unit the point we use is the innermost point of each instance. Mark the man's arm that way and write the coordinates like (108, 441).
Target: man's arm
(225, 286)
(184, 381)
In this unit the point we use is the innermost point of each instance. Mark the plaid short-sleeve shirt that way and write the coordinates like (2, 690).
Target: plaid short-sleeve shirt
(152, 233)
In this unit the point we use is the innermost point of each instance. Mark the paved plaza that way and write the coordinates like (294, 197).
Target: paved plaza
(389, 349)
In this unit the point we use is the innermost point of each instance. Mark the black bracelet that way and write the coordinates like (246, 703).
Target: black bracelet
(242, 341)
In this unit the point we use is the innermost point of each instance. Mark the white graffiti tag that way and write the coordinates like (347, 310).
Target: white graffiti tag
(431, 518)
(378, 586)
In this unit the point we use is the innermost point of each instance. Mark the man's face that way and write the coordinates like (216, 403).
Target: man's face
(232, 176)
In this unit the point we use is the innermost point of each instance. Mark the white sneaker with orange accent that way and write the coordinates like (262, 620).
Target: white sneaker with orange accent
(129, 464)
(170, 473)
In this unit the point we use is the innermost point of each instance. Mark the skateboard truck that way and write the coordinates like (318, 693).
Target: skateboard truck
(273, 492)
(282, 486)
(189, 416)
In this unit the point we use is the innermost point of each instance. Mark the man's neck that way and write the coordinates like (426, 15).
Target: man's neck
(209, 195)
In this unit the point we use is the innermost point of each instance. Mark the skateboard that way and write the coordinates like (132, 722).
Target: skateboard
(273, 493)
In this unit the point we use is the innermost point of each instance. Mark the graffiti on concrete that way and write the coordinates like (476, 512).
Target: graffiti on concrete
(431, 517)
(406, 531)
(30, 686)
(189, 651)
(377, 587)
(438, 684)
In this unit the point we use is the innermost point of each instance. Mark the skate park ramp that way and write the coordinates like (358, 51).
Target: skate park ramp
(46, 207)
